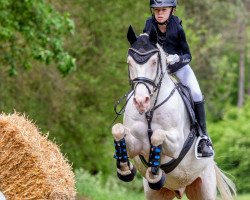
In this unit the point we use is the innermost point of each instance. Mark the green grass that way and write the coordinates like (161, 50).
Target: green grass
(94, 188)
(243, 197)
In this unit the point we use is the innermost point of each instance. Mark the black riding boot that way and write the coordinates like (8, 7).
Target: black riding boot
(205, 148)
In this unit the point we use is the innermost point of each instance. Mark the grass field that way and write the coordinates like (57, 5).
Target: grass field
(244, 197)
(93, 188)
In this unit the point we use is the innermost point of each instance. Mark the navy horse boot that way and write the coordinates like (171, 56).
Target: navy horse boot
(125, 170)
(155, 162)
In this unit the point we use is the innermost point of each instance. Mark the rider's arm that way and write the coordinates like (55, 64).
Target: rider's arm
(186, 57)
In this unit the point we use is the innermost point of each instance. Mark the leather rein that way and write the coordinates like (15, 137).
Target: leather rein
(170, 166)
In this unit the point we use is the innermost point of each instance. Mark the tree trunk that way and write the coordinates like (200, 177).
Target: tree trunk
(248, 69)
(247, 4)
(248, 90)
(241, 65)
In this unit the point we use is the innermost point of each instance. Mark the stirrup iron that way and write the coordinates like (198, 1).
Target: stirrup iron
(197, 155)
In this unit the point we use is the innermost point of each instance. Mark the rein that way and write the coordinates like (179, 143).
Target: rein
(142, 58)
(172, 164)
(139, 80)
(122, 110)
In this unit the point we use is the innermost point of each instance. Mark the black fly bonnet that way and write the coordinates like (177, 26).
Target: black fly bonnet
(142, 49)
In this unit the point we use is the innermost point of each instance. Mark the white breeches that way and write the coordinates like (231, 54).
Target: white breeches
(188, 78)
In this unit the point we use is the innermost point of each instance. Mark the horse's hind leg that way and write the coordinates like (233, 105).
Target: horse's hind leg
(162, 194)
(204, 187)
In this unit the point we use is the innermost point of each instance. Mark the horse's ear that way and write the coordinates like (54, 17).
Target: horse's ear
(153, 35)
(131, 35)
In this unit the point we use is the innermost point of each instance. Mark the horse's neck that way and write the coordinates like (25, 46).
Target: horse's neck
(167, 84)
(174, 104)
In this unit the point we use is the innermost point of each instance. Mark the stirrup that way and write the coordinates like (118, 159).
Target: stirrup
(197, 155)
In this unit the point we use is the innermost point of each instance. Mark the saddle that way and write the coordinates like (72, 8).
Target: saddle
(186, 96)
(185, 93)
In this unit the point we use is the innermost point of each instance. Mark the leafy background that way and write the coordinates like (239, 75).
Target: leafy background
(63, 63)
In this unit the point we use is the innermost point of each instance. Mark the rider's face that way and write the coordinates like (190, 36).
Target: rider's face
(162, 14)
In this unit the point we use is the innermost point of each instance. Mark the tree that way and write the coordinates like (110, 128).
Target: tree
(33, 30)
(242, 16)
(242, 40)
(247, 4)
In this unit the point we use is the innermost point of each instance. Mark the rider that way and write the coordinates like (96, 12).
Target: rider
(171, 37)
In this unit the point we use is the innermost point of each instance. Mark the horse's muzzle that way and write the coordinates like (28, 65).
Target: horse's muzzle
(142, 104)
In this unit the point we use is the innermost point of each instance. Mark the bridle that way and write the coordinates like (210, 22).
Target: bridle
(156, 88)
(143, 57)
(143, 80)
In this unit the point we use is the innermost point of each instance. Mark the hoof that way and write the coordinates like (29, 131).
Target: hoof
(157, 182)
(158, 185)
(127, 177)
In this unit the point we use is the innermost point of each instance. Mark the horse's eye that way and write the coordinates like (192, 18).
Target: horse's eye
(154, 63)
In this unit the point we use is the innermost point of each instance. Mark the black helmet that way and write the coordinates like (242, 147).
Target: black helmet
(162, 3)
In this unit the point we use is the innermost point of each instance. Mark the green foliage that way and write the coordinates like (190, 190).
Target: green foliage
(78, 109)
(213, 38)
(243, 197)
(232, 145)
(33, 29)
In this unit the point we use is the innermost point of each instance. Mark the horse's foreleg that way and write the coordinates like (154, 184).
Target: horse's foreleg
(154, 175)
(169, 141)
(163, 142)
(124, 147)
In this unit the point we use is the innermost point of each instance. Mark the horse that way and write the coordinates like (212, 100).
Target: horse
(158, 134)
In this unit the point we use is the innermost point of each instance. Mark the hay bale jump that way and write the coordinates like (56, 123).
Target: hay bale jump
(31, 166)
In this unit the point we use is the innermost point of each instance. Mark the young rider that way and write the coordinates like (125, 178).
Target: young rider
(171, 37)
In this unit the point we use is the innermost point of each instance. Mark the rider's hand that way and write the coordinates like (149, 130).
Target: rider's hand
(172, 59)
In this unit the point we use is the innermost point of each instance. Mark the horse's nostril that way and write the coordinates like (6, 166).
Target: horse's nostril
(135, 101)
(141, 101)
(147, 100)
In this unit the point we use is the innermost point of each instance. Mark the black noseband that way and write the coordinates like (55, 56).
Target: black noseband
(144, 81)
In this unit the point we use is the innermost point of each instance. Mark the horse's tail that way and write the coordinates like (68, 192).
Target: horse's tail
(225, 186)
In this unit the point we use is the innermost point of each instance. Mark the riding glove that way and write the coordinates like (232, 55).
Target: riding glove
(172, 59)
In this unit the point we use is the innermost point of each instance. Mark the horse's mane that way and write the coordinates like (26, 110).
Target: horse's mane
(163, 57)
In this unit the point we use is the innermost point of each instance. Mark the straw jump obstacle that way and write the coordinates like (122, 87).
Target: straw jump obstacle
(31, 166)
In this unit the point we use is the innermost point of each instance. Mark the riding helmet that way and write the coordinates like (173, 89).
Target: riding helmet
(162, 3)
